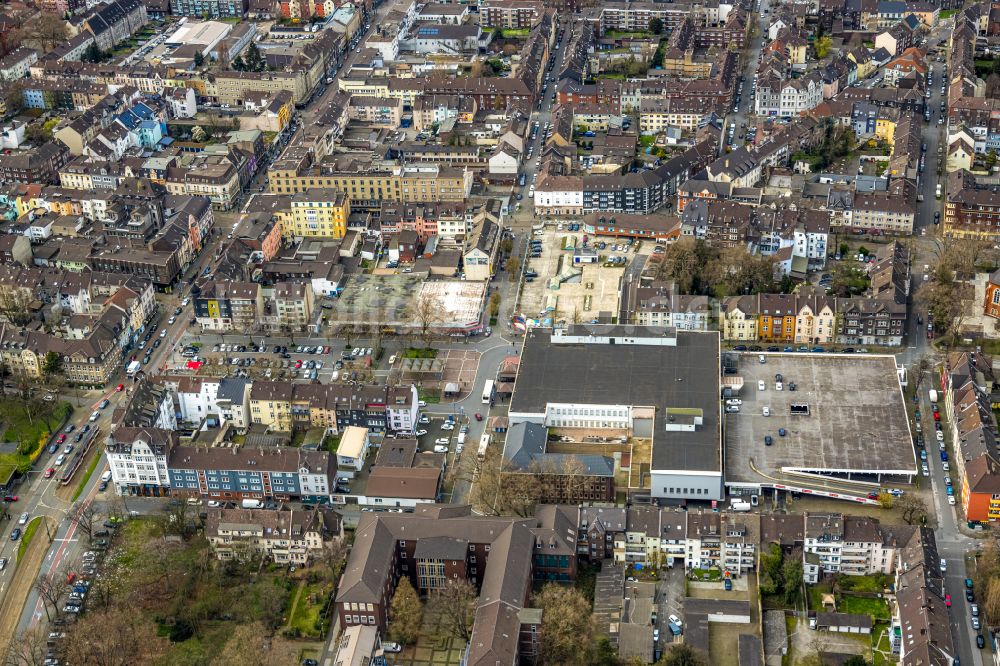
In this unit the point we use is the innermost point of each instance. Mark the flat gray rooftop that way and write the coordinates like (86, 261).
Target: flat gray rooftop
(634, 375)
(857, 421)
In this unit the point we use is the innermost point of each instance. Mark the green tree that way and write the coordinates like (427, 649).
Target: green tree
(771, 574)
(52, 363)
(93, 53)
(857, 660)
(656, 25)
(680, 654)
(238, 64)
(199, 59)
(405, 613)
(822, 46)
(791, 573)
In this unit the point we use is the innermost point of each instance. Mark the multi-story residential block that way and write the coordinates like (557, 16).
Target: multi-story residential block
(39, 165)
(233, 474)
(315, 213)
(378, 112)
(15, 64)
(367, 188)
(971, 209)
(137, 458)
(738, 318)
(293, 306)
(510, 14)
(283, 536)
(113, 22)
(852, 545)
(109, 311)
(788, 97)
(199, 398)
(211, 8)
(870, 321)
(225, 306)
(776, 317)
(921, 622)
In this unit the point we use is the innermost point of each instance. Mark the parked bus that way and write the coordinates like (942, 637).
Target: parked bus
(488, 391)
(484, 443)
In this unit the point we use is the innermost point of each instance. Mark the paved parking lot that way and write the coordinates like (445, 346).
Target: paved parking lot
(583, 292)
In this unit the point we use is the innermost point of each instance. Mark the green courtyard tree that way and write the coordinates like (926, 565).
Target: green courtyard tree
(406, 613)
(52, 364)
(656, 25)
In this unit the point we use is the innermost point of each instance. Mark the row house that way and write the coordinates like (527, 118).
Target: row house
(920, 631)
(657, 304)
(282, 536)
(789, 97)
(284, 406)
(234, 474)
(968, 382)
(812, 317)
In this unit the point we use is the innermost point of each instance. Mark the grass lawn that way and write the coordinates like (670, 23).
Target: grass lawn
(304, 615)
(520, 33)
(332, 443)
(873, 583)
(705, 574)
(29, 532)
(878, 609)
(86, 477)
(881, 647)
(947, 13)
(18, 428)
(420, 352)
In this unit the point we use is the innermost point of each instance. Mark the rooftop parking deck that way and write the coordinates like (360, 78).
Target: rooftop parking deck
(845, 418)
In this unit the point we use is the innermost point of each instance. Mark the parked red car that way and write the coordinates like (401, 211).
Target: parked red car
(947, 600)
(479, 417)
(62, 438)
(120, 388)
(49, 472)
(10, 498)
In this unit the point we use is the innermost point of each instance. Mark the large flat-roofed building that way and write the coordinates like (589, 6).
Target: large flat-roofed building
(837, 426)
(658, 385)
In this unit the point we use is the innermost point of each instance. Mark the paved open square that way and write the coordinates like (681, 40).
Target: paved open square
(841, 415)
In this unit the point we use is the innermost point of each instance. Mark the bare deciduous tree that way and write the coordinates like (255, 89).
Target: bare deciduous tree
(426, 312)
(15, 305)
(115, 636)
(248, 645)
(45, 30)
(84, 514)
(28, 648)
(50, 590)
(912, 508)
(456, 604)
